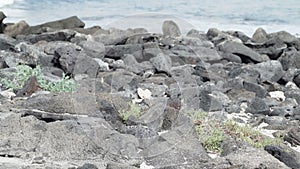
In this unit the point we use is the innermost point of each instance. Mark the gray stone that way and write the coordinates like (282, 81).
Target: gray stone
(62, 35)
(170, 28)
(13, 59)
(273, 47)
(212, 33)
(293, 93)
(249, 157)
(112, 36)
(183, 154)
(138, 68)
(260, 35)
(231, 57)
(103, 66)
(246, 54)
(270, 70)
(162, 63)
(88, 166)
(288, 157)
(207, 54)
(198, 41)
(80, 102)
(67, 23)
(246, 73)
(290, 58)
(286, 38)
(119, 51)
(242, 36)
(86, 65)
(209, 101)
(289, 74)
(93, 49)
(293, 136)
(66, 57)
(6, 45)
(258, 106)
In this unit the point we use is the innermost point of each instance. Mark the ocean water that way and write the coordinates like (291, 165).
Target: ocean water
(242, 15)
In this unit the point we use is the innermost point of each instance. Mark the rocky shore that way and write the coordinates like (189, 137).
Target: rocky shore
(94, 98)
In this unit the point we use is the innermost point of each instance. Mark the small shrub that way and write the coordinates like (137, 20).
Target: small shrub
(212, 142)
(249, 135)
(212, 133)
(197, 116)
(23, 72)
(134, 111)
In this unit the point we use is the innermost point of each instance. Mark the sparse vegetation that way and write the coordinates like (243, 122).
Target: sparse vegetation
(249, 135)
(23, 72)
(212, 133)
(134, 111)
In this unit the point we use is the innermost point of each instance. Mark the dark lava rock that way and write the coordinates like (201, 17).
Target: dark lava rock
(294, 94)
(258, 159)
(67, 23)
(258, 106)
(259, 90)
(242, 36)
(247, 73)
(212, 33)
(246, 54)
(260, 35)
(66, 57)
(93, 49)
(119, 51)
(88, 166)
(162, 63)
(170, 28)
(290, 58)
(86, 65)
(2, 17)
(287, 38)
(270, 70)
(296, 79)
(6, 45)
(293, 136)
(287, 157)
(51, 36)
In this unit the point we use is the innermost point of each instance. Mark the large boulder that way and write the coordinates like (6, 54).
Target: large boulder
(290, 58)
(162, 63)
(258, 106)
(67, 23)
(246, 54)
(170, 28)
(270, 70)
(260, 35)
(93, 49)
(287, 38)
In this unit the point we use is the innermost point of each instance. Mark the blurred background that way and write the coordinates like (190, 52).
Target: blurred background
(243, 15)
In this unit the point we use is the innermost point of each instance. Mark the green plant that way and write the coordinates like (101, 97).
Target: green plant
(208, 131)
(23, 72)
(197, 116)
(134, 111)
(212, 132)
(212, 142)
(249, 135)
